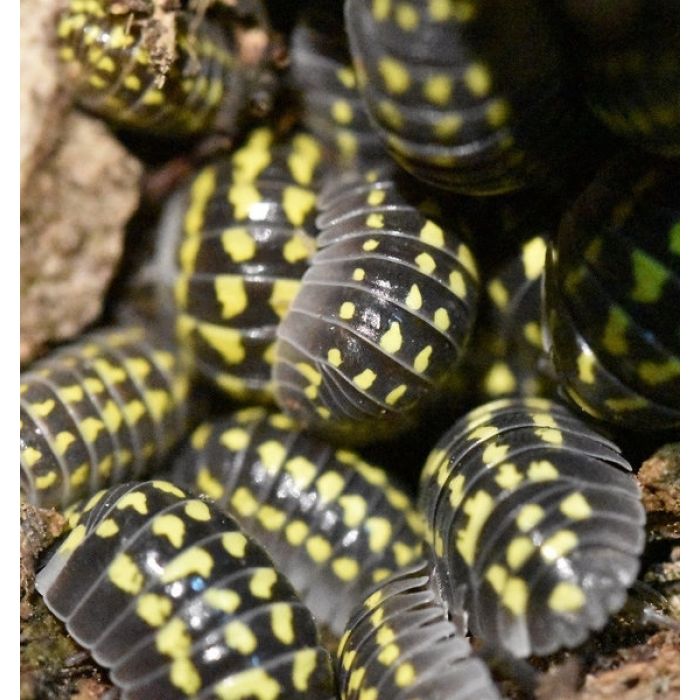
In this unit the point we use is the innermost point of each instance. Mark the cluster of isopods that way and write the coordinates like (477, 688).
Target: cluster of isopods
(429, 234)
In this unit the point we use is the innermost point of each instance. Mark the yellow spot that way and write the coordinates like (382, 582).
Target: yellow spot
(497, 113)
(107, 528)
(235, 543)
(658, 372)
(396, 78)
(414, 299)
(80, 475)
(358, 274)
(346, 77)
(226, 341)
(72, 394)
(154, 609)
(238, 244)
(208, 484)
(31, 456)
(518, 551)
(381, 9)
(379, 530)
(586, 364)
(550, 435)
(334, 357)
(515, 595)
(438, 89)
(112, 417)
(272, 454)
(341, 111)
(478, 508)
(124, 574)
(306, 154)
(391, 340)
(576, 507)
(309, 373)
(508, 476)
(407, 16)
(432, 234)
(167, 487)
(403, 554)
(135, 500)
(614, 335)
(262, 581)
(457, 284)
(183, 675)
(498, 294)
(500, 380)
(365, 379)
(533, 334)
(447, 126)
(173, 639)
(134, 411)
(231, 294)
(405, 675)
(280, 421)
(439, 10)
(628, 404)
(441, 319)
(534, 253)
(253, 683)
(542, 470)
(566, 598)
(426, 263)
(395, 394)
(329, 486)
(354, 509)
(243, 502)
(530, 514)
(296, 532)
(303, 667)
(235, 439)
(281, 623)
(390, 114)
(250, 160)
(192, 561)
(649, 278)
(43, 409)
(319, 548)
(271, 518)
(422, 359)
(477, 79)
(222, 599)
(101, 84)
(283, 293)
(153, 97)
(242, 196)
(198, 510)
(132, 83)
(169, 526)
(298, 247)
(558, 545)
(297, 202)
(73, 540)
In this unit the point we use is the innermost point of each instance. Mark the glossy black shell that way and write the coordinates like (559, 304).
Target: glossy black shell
(400, 644)
(333, 524)
(246, 233)
(535, 523)
(115, 66)
(383, 316)
(612, 296)
(98, 412)
(169, 594)
(468, 96)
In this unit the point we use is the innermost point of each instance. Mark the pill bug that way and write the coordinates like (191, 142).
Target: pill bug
(400, 644)
(166, 592)
(102, 410)
(612, 296)
(384, 313)
(246, 232)
(629, 61)
(166, 73)
(468, 96)
(535, 524)
(322, 69)
(508, 348)
(333, 524)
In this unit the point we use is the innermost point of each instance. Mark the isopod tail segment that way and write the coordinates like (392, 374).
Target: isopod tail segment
(99, 411)
(169, 73)
(612, 295)
(535, 523)
(167, 593)
(382, 319)
(399, 643)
